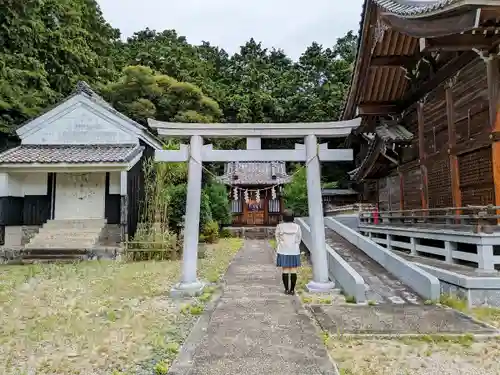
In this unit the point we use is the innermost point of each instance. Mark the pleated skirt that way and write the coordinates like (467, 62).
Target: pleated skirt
(289, 261)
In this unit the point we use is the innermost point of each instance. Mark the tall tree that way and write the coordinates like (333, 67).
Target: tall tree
(47, 46)
(141, 94)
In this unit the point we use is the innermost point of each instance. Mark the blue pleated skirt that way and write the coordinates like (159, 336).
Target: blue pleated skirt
(289, 261)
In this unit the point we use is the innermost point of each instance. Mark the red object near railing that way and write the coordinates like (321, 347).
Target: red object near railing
(375, 216)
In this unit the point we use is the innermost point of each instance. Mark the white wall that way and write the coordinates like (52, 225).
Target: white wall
(35, 183)
(114, 183)
(80, 196)
(80, 124)
(30, 183)
(4, 184)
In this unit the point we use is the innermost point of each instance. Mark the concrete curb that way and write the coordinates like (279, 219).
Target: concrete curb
(396, 336)
(183, 364)
(422, 282)
(339, 270)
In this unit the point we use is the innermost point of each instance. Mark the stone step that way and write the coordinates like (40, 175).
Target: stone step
(49, 236)
(54, 251)
(73, 244)
(58, 256)
(78, 224)
(69, 230)
(49, 260)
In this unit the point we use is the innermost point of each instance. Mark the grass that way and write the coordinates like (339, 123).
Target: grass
(424, 355)
(98, 317)
(490, 315)
(421, 355)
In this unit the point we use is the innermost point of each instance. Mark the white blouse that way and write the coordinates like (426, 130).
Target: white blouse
(288, 238)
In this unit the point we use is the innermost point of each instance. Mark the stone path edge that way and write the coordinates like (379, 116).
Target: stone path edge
(319, 331)
(182, 365)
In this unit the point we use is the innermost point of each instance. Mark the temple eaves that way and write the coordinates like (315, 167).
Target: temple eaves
(333, 129)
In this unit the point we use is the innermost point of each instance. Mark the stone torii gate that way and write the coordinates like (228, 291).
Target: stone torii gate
(197, 153)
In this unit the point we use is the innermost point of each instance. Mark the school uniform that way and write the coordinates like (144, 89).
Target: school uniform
(288, 238)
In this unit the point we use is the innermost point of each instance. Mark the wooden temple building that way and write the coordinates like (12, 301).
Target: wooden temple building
(255, 189)
(255, 192)
(426, 85)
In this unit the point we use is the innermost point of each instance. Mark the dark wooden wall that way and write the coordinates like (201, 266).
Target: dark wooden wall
(136, 190)
(452, 164)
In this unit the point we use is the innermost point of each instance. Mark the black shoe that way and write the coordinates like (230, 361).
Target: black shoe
(291, 292)
(287, 291)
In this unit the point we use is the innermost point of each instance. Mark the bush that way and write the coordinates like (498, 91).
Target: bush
(295, 193)
(219, 202)
(211, 232)
(226, 233)
(177, 207)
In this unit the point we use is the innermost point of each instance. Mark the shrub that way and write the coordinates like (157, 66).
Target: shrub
(219, 202)
(177, 207)
(211, 231)
(226, 233)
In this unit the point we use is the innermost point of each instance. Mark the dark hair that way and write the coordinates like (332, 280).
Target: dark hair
(288, 216)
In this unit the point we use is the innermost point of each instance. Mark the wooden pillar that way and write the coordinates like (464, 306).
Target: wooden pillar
(493, 76)
(456, 193)
(422, 157)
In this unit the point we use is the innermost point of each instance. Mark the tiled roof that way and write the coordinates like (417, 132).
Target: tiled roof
(50, 154)
(255, 173)
(413, 8)
(393, 133)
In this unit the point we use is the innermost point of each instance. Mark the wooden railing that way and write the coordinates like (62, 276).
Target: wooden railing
(477, 219)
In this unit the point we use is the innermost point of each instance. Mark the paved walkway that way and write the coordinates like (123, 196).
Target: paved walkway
(255, 328)
(381, 286)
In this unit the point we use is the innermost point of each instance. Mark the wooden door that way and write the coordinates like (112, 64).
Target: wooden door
(255, 212)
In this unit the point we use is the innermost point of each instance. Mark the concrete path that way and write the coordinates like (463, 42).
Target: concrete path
(255, 328)
(381, 286)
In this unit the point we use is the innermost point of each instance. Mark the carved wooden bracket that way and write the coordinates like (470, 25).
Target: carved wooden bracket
(450, 82)
(378, 35)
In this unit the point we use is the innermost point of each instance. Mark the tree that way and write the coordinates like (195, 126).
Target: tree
(295, 193)
(47, 46)
(141, 94)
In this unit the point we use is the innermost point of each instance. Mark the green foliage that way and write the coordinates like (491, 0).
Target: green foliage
(219, 202)
(295, 193)
(211, 232)
(141, 93)
(47, 46)
(177, 206)
(225, 233)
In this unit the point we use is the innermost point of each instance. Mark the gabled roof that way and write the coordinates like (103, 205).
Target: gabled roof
(84, 92)
(255, 173)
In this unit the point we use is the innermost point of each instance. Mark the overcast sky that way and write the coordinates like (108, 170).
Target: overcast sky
(291, 25)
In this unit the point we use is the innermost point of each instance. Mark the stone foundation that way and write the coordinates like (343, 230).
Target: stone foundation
(110, 236)
(19, 235)
(20, 255)
(474, 297)
(252, 232)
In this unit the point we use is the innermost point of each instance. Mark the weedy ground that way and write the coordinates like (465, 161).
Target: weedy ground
(100, 317)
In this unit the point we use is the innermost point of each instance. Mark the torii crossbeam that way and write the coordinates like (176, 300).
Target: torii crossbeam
(197, 153)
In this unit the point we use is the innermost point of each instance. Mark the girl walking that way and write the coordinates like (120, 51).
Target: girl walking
(288, 238)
